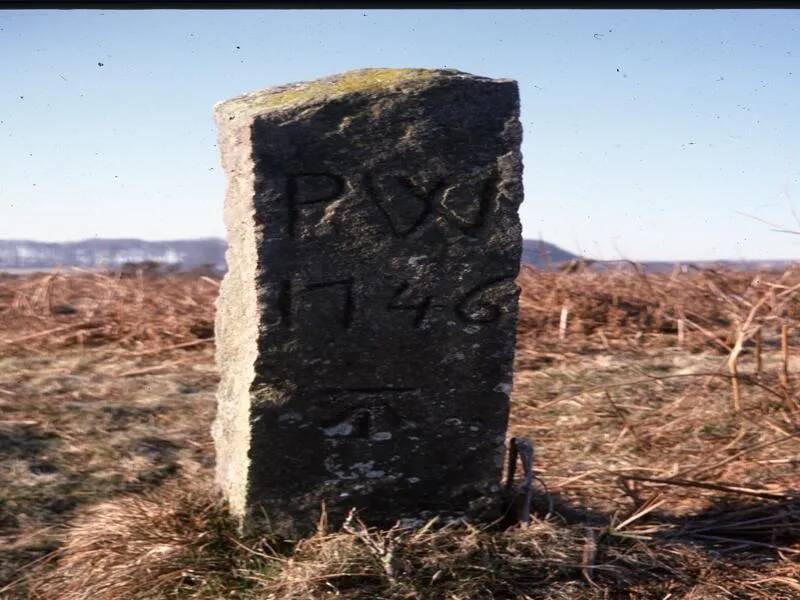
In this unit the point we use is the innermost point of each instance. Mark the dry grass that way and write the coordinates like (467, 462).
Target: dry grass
(142, 545)
(664, 479)
(135, 312)
(175, 543)
(698, 310)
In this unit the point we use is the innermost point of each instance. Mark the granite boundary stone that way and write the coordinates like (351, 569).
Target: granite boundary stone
(366, 324)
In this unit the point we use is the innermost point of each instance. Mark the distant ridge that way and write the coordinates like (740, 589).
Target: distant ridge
(111, 253)
(539, 253)
(102, 253)
(688, 265)
(182, 254)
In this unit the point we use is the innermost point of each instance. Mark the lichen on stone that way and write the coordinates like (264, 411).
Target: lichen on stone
(350, 82)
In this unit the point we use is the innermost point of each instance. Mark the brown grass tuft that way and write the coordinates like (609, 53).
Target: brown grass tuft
(172, 542)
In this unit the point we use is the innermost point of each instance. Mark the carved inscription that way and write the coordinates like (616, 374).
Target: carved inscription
(276, 298)
(305, 189)
(411, 205)
(281, 298)
(406, 205)
(285, 302)
(482, 304)
(347, 304)
(420, 309)
(459, 200)
(487, 302)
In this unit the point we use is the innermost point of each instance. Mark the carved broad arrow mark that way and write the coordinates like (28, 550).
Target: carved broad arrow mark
(365, 412)
(405, 206)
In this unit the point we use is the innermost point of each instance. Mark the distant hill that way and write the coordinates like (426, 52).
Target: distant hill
(668, 266)
(210, 252)
(104, 253)
(182, 254)
(533, 250)
(538, 253)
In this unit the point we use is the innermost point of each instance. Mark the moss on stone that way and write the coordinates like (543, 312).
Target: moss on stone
(358, 81)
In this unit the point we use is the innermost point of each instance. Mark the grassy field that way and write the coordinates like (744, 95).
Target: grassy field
(663, 410)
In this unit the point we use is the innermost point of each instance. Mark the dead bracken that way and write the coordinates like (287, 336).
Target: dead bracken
(657, 484)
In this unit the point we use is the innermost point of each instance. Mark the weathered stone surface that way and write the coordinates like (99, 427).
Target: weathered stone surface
(366, 325)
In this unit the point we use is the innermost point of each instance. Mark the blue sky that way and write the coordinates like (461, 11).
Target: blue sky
(647, 134)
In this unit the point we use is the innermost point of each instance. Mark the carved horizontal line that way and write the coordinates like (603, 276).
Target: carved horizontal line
(367, 390)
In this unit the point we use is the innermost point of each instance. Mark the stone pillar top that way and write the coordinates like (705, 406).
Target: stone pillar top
(358, 81)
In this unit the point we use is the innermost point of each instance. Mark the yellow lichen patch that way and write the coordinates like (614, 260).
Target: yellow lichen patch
(362, 80)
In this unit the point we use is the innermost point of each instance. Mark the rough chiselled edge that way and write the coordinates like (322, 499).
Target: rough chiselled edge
(236, 327)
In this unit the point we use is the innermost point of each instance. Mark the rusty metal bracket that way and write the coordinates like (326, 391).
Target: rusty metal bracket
(522, 449)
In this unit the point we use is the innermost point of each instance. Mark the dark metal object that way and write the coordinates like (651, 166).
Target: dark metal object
(521, 449)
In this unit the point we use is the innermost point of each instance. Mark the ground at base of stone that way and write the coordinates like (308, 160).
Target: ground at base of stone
(656, 486)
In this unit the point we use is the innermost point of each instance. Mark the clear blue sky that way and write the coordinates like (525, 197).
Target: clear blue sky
(646, 133)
